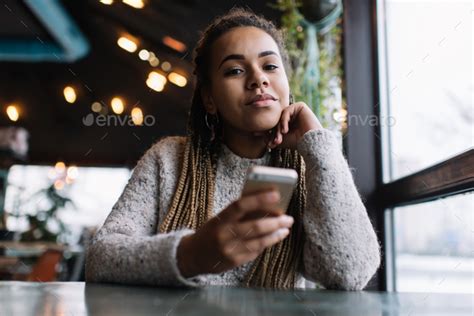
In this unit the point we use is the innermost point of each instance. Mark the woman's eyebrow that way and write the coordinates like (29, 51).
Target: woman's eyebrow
(242, 57)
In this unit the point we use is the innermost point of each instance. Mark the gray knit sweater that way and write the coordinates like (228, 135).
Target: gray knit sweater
(341, 250)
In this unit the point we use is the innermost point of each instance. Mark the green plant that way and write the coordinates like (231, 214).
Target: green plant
(42, 220)
(320, 85)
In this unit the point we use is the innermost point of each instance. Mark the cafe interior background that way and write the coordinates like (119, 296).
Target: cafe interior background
(87, 86)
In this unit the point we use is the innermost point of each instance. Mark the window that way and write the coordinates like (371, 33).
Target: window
(425, 54)
(433, 246)
(426, 92)
(93, 192)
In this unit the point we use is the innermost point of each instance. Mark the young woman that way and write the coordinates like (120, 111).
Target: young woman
(181, 221)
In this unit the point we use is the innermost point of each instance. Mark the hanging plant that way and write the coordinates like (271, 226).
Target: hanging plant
(314, 48)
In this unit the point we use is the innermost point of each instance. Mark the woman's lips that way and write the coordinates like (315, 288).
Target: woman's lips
(261, 103)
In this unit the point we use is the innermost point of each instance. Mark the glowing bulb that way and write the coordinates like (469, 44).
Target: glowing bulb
(153, 85)
(96, 107)
(156, 81)
(137, 116)
(107, 2)
(166, 66)
(137, 4)
(72, 172)
(127, 44)
(60, 167)
(154, 61)
(58, 185)
(144, 54)
(117, 105)
(69, 94)
(177, 79)
(174, 44)
(12, 112)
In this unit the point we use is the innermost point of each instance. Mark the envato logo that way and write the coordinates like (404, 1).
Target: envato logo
(368, 120)
(102, 120)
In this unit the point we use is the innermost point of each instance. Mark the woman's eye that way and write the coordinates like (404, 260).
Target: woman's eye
(270, 67)
(233, 72)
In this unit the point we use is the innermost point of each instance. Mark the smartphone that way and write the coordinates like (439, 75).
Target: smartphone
(261, 178)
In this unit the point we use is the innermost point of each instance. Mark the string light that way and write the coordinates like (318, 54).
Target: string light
(96, 107)
(69, 94)
(144, 54)
(154, 62)
(59, 184)
(166, 66)
(63, 176)
(137, 116)
(137, 4)
(72, 172)
(177, 79)
(174, 44)
(12, 113)
(127, 44)
(156, 81)
(117, 105)
(59, 167)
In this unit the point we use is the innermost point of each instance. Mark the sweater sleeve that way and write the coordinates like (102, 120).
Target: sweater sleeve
(341, 250)
(126, 248)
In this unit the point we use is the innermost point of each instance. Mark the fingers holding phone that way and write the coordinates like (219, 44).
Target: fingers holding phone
(261, 227)
(230, 239)
(244, 229)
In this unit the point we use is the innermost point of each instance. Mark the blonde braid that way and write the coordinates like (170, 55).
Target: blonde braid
(192, 202)
(277, 266)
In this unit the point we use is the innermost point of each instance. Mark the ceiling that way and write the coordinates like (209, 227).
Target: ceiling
(56, 128)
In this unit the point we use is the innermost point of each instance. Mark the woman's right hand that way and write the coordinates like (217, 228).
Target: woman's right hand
(228, 240)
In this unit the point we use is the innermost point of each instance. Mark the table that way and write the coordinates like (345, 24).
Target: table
(78, 298)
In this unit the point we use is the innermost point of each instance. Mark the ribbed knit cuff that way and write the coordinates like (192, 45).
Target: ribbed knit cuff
(170, 255)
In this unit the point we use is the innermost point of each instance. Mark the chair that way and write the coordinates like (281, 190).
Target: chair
(45, 269)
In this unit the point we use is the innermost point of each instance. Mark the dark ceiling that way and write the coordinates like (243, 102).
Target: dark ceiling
(56, 127)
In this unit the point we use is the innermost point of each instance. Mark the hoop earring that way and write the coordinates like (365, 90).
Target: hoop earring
(211, 126)
(206, 120)
(292, 99)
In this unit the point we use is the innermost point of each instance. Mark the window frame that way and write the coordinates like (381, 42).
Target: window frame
(363, 145)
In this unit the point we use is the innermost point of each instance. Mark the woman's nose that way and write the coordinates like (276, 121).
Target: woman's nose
(258, 80)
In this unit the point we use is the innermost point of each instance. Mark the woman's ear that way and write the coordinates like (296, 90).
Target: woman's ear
(207, 101)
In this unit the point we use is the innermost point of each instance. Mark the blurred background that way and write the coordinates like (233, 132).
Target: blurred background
(87, 86)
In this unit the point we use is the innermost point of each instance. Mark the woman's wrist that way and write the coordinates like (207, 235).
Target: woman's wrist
(184, 257)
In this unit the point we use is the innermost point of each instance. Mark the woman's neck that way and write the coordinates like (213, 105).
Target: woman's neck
(245, 144)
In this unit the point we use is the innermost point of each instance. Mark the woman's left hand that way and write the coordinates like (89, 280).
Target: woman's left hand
(296, 119)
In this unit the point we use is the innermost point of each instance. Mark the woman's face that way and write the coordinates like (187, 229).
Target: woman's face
(249, 87)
